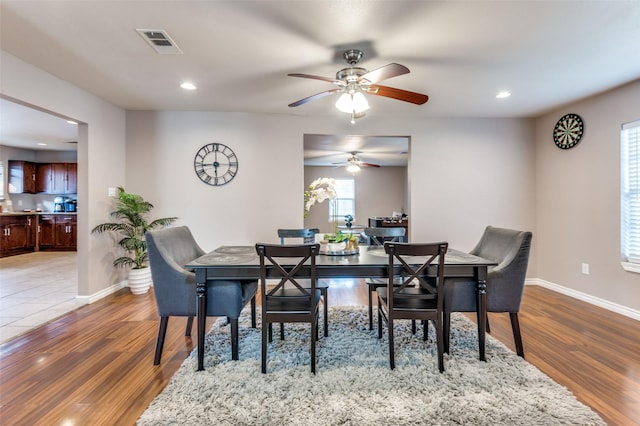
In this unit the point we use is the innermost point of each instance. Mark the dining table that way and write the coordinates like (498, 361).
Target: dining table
(241, 262)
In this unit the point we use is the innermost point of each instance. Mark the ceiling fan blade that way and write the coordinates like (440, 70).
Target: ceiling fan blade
(399, 94)
(360, 163)
(317, 77)
(314, 97)
(382, 73)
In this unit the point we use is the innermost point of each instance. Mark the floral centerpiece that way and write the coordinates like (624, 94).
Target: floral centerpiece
(317, 192)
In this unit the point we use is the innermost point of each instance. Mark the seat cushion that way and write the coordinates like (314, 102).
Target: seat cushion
(409, 302)
(290, 300)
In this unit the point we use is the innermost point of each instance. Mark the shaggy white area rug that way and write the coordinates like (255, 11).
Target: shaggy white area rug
(354, 385)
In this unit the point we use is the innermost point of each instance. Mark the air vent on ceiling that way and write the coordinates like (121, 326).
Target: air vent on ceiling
(160, 41)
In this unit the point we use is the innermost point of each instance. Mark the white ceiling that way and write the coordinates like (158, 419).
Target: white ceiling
(238, 53)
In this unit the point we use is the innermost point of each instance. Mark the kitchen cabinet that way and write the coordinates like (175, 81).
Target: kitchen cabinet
(46, 228)
(17, 235)
(22, 177)
(65, 233)
(44, 178)
(57, 178)
(58, 233)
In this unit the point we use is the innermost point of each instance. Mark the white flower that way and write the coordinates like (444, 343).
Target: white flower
(318, 191)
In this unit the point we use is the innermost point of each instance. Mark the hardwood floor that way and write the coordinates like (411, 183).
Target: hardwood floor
(95, 365)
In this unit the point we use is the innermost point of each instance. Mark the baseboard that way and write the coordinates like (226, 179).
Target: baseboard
(614, 307)
(102, 293)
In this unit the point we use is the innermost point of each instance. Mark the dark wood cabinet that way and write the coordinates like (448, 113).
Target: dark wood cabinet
(17, 235)
(22, 177)
(58, 232)
(27, 233)
(44, 178)
(65, 233)
(57, 178)
(46, 230)
(71, 182)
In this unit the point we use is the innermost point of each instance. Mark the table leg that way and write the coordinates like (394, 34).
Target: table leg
(482, 310)
(201, 314)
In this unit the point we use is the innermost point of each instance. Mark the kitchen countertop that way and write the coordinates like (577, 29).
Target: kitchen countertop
(33, 212)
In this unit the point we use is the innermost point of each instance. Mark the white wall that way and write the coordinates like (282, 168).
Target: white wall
(378, 191)
(578, 199)
(101, 158)
(463, 174)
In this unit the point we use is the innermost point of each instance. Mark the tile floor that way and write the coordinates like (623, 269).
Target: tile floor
(36, 288)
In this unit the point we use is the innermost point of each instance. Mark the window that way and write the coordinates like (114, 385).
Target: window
(345, 201)
(630, 195)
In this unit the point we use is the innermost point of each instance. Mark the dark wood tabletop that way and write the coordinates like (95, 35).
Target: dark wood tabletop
(242, 262)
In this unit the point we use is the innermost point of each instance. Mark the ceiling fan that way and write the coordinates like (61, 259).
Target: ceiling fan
(354, 164)
(354, 81)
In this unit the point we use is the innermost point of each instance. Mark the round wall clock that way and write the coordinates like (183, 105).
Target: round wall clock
(216, 164)
(568, 131)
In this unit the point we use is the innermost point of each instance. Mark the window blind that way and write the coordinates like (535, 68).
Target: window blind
(344, 203)
(630, 192)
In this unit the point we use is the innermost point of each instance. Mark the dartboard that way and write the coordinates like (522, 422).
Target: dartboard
(568, 131)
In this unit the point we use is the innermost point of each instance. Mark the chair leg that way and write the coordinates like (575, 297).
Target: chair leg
(446, 327)
(517, 337)
(440, 343)
(189, 326)
(425, 330)
(162, 331)
(488, 328)
(326, 313)
(379, 321)
(253, 312)
(413, 326)
(370, 307)
(314, 338)
(392, 360)
(266, 330)
(281, 331)
(234, 339)
(270, 332)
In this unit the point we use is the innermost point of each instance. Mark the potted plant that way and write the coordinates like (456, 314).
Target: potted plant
(348, 221)
(130, 224)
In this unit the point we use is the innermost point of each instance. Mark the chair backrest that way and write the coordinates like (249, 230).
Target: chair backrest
(169, 250)
(399, 254)
(378, 236)
(271, 256)
(307, 234)
(510, 248)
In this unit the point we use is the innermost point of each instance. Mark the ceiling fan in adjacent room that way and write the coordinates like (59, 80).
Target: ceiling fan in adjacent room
(353, 82)
(354, 164)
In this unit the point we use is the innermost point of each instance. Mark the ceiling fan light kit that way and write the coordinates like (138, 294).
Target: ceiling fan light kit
(354, 81)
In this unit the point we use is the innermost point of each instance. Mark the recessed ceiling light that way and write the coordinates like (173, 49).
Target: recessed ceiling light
(72, 122)
(502, 95)
(188, 86)
(42, 144)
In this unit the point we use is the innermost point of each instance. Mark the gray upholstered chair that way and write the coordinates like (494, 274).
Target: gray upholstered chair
(377, 237)
(175, 289)
(505, 282)
(308, 236)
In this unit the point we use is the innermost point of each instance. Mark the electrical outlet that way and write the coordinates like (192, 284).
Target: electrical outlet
(112, 192)
(585, 268)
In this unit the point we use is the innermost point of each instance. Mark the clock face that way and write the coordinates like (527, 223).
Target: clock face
(568, 131)
(216, 164)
